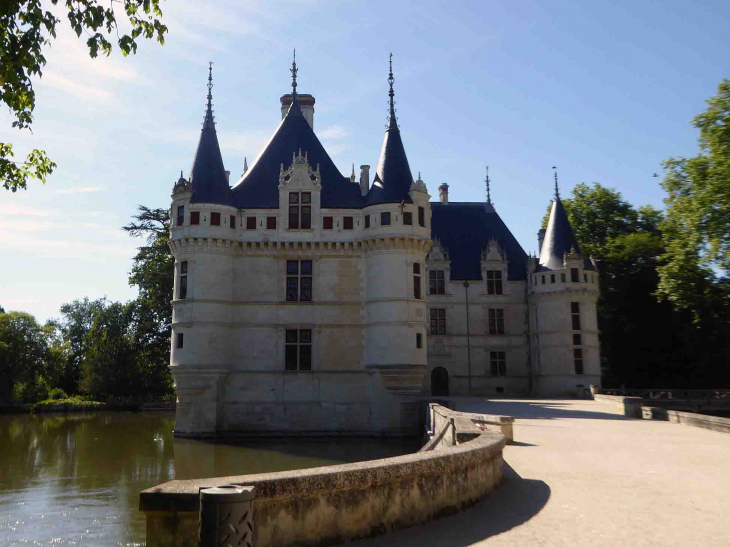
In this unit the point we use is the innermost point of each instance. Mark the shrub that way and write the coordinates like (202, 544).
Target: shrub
(57, 393)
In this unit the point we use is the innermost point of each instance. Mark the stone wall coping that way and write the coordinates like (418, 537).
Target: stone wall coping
(617, 398)
(715, 420)
(487, 418)
(182, 495)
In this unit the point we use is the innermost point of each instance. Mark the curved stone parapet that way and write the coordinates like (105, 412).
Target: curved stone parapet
(334, 504)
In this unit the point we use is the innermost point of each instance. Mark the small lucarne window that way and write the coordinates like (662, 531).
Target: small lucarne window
(496, 321)
(300, 210)
(180, 215)
(436, 282)
(494, 282)
(233, 222)
(416, 280)
(195, 218)
(385, 219)
(419, 340)
(498, 363)
(574, 275)
(298, 349)
(182, 291)
(180, 340)
(271, 223)
(298, 280)
(327, 223)
(367, 221)
(575, 315)
(438, 321)
(347, 223)
(421, 216)
(215, 219)
(250, 223)
(408, 218)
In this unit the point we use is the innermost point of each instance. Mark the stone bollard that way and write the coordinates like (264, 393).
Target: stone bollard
(595, 389)
(226, 516)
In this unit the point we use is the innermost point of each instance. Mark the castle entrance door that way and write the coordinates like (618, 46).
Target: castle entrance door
(439, 381)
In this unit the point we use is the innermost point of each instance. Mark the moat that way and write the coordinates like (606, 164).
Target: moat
(74, 479)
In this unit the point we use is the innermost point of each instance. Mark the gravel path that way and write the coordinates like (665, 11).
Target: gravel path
(581, 475)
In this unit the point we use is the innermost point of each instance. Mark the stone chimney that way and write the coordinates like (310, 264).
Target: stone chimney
(364, 179)
(444, 193)
(540, 238)
(306, 103)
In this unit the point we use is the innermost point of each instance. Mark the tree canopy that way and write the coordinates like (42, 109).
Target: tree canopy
(26, 29)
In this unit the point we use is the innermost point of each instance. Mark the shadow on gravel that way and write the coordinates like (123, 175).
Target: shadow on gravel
(513, 503)
(529, 409)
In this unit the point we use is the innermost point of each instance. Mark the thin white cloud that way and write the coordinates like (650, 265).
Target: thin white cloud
(75, 88)
(10, 209)
(80, 190)
(334, 132)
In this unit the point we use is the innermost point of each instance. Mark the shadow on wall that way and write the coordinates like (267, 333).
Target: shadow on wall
(515, 502)
(529, 409)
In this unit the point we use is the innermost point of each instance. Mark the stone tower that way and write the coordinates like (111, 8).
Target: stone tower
(563, 290)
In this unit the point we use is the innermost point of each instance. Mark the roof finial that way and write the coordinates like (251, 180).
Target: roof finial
(391, 93)
(489, 194)
(245, 165)
(352, 176)
(209, 107)
(294, 71)
(555, 173)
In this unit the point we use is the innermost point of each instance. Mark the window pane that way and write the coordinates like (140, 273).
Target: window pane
(442, 326)
(250, 223)
(293, 216)
(434, 326)
(421, 216)
(432, 274)
(408, 219)
(416, 268)
(576, 322)
(574, 275)
(180, 215)
(419, 342)
(490, 274)
(327, 223)
(441, 288)
(271, 223)
(184, 267)
(292, 267)
(434, 313)
(552, 278)
(498, 285)
(562, 278)
(292, 292)
(347, 223)
(440, 274)
(306, 218)
(195, 218)
(183, 287)
(305, 357)
(306, 267)
(305, 336)
(577, 340)
(233, 221)
(433, 286)
(385, 219)
(290, 359)
(442, 313)
(367, 221)
(180, 340)
(293, 197)
(215, 219)
(417, 287)
(291, 336)
(494, 367)
(502, 368)
(578, 353)
(575, 307)
(579, 366)
(306, 294)
(306, 197)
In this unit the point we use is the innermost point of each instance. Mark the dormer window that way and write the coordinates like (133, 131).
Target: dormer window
(494, 281)
(300, 210)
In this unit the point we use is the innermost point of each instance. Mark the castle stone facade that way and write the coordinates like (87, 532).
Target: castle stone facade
(307, 302)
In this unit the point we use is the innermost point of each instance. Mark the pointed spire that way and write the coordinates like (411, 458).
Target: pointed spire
(352, 176)
(294, 71)
(208, 120)
(391, 80)
(559, 238)
(489, 194)
(245, 165)
(557, 192)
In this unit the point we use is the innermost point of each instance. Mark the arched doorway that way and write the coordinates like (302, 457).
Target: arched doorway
(439, 381)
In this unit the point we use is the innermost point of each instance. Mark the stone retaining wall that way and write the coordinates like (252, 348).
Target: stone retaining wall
(715, 423)
(330, 505)
(628, 406)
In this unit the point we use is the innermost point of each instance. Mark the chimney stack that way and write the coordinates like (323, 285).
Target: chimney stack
(306, 103)
(444, 193)
(540, 238)
(364, 179)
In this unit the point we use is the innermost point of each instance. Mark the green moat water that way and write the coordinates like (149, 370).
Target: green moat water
(74, 479)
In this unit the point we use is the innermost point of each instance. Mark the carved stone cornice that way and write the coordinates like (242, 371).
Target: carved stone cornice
(202, 245)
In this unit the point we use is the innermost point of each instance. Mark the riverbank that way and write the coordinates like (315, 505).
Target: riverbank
(75, 404)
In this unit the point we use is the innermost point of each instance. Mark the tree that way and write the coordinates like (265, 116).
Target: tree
(697, 226)
(26, 30)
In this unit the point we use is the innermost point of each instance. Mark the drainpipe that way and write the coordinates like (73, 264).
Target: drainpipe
(468, 336)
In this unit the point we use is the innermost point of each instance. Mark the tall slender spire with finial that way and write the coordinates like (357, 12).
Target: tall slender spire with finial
(209, 107)
(391, 93)
(555, 173)
(489, 193)
(294, 71)
(245, 165)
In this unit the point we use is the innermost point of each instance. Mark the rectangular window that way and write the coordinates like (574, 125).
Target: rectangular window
(575, 315)
(577, 340)
(298, 349)
(408, 219)
(436, 282)
(419, 340)
(585, 278)
(347, 223)
(182, 291)
(215, 219)
(250, 223)
(385, 219)
(574, 275)
(271, 223)
(300, 210)
(543, 279)
(498, 363)
(417, 280)
(494, 282)
(562, 277)
(298, 280)
(421, 216)
(195, 218)
(180, 215)
(438, 321)
(233, 222)
(180, 340)
(552, 278)
(578, 360)
(327, 223)
(367, 221)
(496, 321)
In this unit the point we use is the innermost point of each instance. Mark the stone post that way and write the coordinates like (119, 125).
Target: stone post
(226, 516)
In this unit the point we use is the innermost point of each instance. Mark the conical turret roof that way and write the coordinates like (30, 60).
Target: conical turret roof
(559, 238)
(207, 175)
(393, 178)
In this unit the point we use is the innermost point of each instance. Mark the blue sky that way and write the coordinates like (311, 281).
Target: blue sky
(604, 90)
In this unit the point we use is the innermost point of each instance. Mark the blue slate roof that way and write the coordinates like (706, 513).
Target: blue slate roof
(393, 177)
(465, 229)
(259, 187)
(559, 240)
